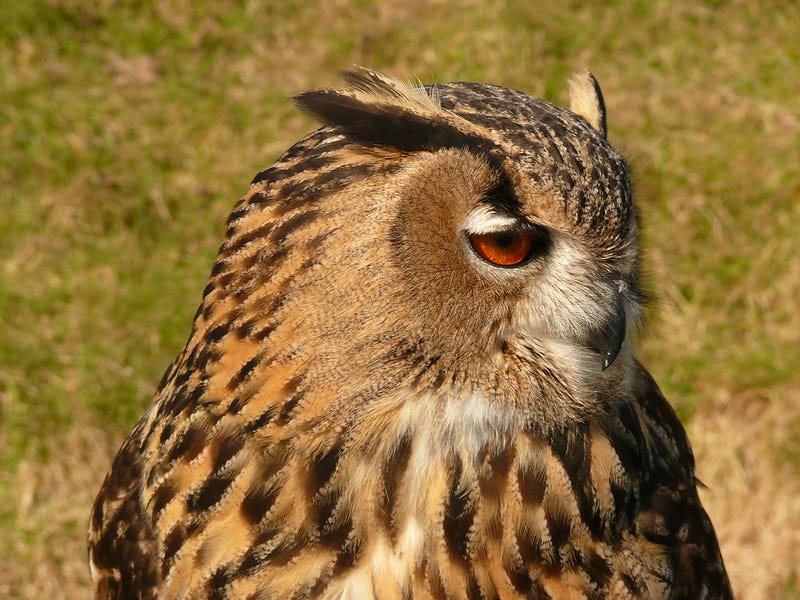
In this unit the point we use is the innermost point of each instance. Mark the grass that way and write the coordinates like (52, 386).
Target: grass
(129, 129)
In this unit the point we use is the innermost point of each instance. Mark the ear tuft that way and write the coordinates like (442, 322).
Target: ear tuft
(376, 86)
(586, 100)
(369, 96)
(377, 110)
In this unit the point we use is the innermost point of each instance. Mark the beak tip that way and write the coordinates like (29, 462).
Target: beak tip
(614, 336)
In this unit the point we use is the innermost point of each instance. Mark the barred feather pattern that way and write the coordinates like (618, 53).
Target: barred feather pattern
(327, 433)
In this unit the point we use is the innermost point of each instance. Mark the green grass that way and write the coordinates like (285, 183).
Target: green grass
(129, 129)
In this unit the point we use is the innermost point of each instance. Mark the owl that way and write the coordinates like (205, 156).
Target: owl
(412, 376)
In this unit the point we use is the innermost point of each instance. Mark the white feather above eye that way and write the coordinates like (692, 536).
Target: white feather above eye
(484, 219)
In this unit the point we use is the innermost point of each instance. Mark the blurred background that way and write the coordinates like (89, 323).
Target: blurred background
(129, 129)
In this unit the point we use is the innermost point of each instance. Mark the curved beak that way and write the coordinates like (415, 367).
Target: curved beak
(611, 335)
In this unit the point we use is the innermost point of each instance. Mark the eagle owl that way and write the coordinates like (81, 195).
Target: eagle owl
(411, 376)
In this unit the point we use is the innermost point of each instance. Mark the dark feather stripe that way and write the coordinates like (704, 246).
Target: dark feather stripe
(392, 474)
(459, 515)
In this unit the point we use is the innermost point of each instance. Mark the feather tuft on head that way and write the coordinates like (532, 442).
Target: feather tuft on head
(378, 110)
(376, 86)
(586, 100)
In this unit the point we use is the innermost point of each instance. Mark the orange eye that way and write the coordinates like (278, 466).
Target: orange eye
(504, 248)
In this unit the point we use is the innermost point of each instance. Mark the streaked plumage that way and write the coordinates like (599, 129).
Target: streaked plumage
(366, 408)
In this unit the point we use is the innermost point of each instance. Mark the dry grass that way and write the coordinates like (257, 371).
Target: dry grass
(50, 506)
(127, 131)
(755, 498)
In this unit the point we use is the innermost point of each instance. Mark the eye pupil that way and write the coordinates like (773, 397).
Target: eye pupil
(505, 238)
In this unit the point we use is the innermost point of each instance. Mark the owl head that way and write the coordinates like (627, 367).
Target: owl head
(462, 249)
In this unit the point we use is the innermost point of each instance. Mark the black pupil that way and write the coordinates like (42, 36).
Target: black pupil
(505, 238)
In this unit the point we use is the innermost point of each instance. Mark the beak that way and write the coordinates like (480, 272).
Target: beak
(611, 335)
